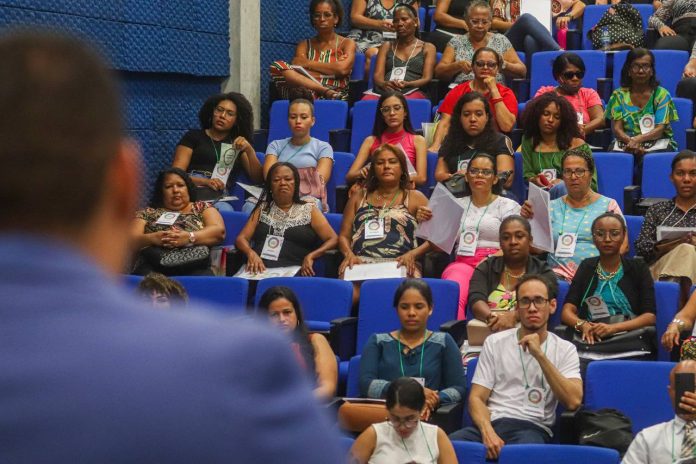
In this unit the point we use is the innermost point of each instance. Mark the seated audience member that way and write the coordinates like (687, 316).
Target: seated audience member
(402, 437)
(174, 234)
(675, 21)
(640, 110)
(312, 350)
(406, 64)
(283, 230)
(225, 119)
(524, 32)
(686, 88)
(683, 321)
(450, 21)
(674, 440)
(312, 157)
(609, 293)
(568, 70)
(550, 130)
(572, 215)
(492, 294)
(673, 259)
(395, 210)
(562, 13)
(502, 101)
(521, 376)
(161, 291)
(393, 126)
(655, 3)
(457, 60)
(484, 211)
(372, 24)
(328, 57)
(473, 132)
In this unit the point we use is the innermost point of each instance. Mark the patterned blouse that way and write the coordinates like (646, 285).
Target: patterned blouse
(671, 12)
(507, 10)
(295, 227)
(464, 51)
(665, 213)
(365, 39)
(189, 222)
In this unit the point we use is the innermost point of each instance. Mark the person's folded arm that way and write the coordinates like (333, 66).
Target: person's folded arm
(371, 385)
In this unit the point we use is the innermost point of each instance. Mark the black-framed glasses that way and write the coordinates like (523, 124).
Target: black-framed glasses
(389, 109)
(229, 113)
(408, 423)
(539, 302)
(324, 15)
(571, 74)
(476, 172)
(614, 234)
(486, 64)
(579, 172)
(635, 67)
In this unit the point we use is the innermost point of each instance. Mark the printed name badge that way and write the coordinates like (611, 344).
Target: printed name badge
(389, 35)
(566, 245)
(463, 165)
(167, 219)
(534, 402)
(597, 307)
(398, 74)
(647, 123)
(467, 243)
(550, 174)
(223, 168)
(420, 380)
(374, 228)
(271, 248)
(580, 117)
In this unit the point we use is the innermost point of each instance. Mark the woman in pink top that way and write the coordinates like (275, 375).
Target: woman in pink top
(568, 70)
(392, 126)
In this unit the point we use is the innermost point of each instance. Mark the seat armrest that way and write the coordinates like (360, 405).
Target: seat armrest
(356, 88)
(516, 137)
(457, 329)
(600, 138)
(339, 139)
(341, 197)
(691, 139)
(234, 261)
(448, 417)
(573, 39)
(432, 91)
(631, 197)
(564, 331)
(567, 427)
(343, 335)
(521, 88)
(651, 36)
(260, 141)
(604, 88)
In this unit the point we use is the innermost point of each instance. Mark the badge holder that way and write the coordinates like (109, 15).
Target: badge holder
(565, 248)
(647, 123)
(467, 243)
(271, 247)
(534, 402)
(597, 307)
(374, 228)
(398, 74)
(168, 218)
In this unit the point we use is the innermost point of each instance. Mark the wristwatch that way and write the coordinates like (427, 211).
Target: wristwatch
(192, 238)
(579, 324)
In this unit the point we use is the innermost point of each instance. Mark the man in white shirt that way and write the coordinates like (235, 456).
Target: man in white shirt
(666, 442)
(521, 376)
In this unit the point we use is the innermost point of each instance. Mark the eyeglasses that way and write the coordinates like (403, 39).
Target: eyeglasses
(229, 113)
(408, 423)
(539, 302)
(324, 15)
(682, 174)
(579, 172)
(571, 74)
(613, 234)
(635, 67)
(389, 109)
(486, 64)
(479, 22)
(476, 172)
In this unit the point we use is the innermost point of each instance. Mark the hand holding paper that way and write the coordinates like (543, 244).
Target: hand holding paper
(443, 229)
(542, 232)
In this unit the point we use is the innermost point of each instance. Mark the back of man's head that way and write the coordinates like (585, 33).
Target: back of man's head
(60, 125)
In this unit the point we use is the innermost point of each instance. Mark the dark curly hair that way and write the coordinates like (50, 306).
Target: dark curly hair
(633, 55)
(380, 126)
(336, 6)
(157, 200)
(457, 137)
(372, 182)
(567, 131)
(244, 125)
(266, 197)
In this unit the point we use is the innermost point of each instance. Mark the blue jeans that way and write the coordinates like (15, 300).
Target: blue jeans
(529, 35)
(511, 431)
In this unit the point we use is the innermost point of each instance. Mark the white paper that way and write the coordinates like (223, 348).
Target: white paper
(370, 271)
(288, 271)
(540, 9)
(365, 400)
(224, 166)
(304, 72)
(253, 190)
(428, 132)
(601, 356)
(542, 232)
(673, 233)
(442, 230)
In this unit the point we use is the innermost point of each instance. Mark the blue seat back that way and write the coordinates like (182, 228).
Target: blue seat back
(669, 65)
(553, 454)
(685, 111)
(378, 315)
(470, 371)
(432, 164)
(666, 307)
(542, 64)
(432, 25)
(469, 452)
(421, 18)
(593, 13)
(234, 223)
(228, 293)
(335, 220)
(656, 170)
(342, 163)
(353, 380)
(555, 318)
(614, 172)
(636, 388)
(329, 114)
(346, 443)
(358, 72)
(322, 299)
(519, 183)
(633, 224)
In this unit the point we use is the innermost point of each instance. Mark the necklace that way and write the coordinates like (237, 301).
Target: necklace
(513, 276)
(604, 275)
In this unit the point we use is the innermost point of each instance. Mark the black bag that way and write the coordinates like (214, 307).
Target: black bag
(642, 339)
(456, 185)
(204, 193)
(606, 428)
(177, 260)
(625, 26)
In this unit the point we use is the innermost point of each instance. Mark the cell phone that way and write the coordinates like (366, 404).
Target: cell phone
(683, 382)
(544, 181)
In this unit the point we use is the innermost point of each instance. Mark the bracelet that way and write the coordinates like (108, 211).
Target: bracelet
(579, 324)
(679, 322)
(496, 100)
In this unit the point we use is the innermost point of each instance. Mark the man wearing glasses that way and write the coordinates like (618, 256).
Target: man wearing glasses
(521, 376)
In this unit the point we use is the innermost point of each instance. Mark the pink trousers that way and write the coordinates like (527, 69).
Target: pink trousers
(461, 270)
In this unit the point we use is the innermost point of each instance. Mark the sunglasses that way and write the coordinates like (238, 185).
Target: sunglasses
(486, 64)
(571, 74)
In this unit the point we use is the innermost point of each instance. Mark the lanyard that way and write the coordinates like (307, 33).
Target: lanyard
(396, 47)
(467, 214)
(293, 155)
(565, 210)
(432, 459)
(384, 207)
(401, 359)
(217, 153)
(524, 368)
(459, 158)
(539, 159)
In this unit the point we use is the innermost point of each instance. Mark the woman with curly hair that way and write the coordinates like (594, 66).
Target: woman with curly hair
(550, 129)
(473, 132)
(227, 121)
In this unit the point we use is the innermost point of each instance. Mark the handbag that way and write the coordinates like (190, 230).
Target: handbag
(606, 428)
(177, 260)
(642, 339)
(456, 185)
(625, 26)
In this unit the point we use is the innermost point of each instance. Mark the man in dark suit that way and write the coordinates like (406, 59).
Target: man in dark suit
(87, 372)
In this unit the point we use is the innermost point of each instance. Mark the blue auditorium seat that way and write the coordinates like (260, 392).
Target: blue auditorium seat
(667, 306)
(614, 172)
(342, 163)
(686, 116)
(469, 452)
(669, 65)
(593, 13)
(542, 63)
(555, 318)
(554, 454)
(519, 183)
(229, 293)
(234, 223)
(633, 224)
(358, 72)
(330, 114)
(353, 380)
(335, 220)
(656, 170)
